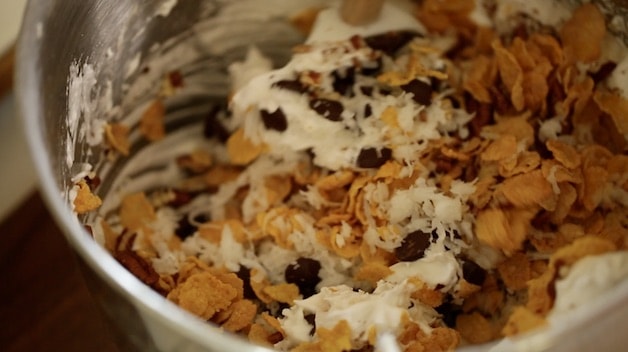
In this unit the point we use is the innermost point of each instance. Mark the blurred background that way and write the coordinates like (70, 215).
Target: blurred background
(44, 302)
(17, 178)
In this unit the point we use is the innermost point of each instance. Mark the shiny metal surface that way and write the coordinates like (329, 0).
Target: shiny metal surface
(58, 33)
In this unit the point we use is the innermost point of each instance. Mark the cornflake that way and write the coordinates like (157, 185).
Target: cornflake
(85, 201)
(117, 136)
(152, 121)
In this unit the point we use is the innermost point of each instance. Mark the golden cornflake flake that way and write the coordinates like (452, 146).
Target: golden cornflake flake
(136, 211)
(373, 272)
(522, 320)
(564, 153)
(241, 150)
(85, 200)
(258, 334)
(616, 106)
(335, 180)
(503, 229)
(284, 293)
(515, 271)
(152, 121)
(500, 149)
(117, 136)
(203, 295)
(258, 283)
(582, 35)
(242, 315)
(198, 161)
(474, 328)
(526, 190)
(337, 339)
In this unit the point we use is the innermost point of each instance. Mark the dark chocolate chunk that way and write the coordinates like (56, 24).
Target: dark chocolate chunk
(245, 275)
(605, 70)
(293, 85)
(311, 319)
(368, 111)
(385, 91)
(421, 91)
(344, 81)
(212, 126)
(434, 235)
(372, 69)
(201, 218)
(275, 120)
(371, 158)
(390, 42)
(367, 90)
(473, 273)
(329, 109)
(449, 313)
(184, 228)
(413, 246)
(304, 274)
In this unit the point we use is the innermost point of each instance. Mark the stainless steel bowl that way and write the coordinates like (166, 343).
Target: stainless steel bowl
(108, 36)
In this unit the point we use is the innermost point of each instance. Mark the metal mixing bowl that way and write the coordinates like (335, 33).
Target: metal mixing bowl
(108, 35)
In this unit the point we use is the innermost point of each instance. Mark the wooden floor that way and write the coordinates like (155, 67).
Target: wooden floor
(44, 303)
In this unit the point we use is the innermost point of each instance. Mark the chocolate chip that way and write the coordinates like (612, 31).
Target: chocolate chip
(329, 109)
(212, 126)
(367, 90)
(311, 319)
(201, 218)
(275, 120)
(434, 235)
(371, 158)
(245, 275)
(344, 81)
(473, 273)
(293, 85)
(421, 91)
(449, 313)
(372, 68)
(304, 273)
(605, 70)
(184, 228)
(368, 111)
(413, 246)
(390, 42)
(385, 91)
